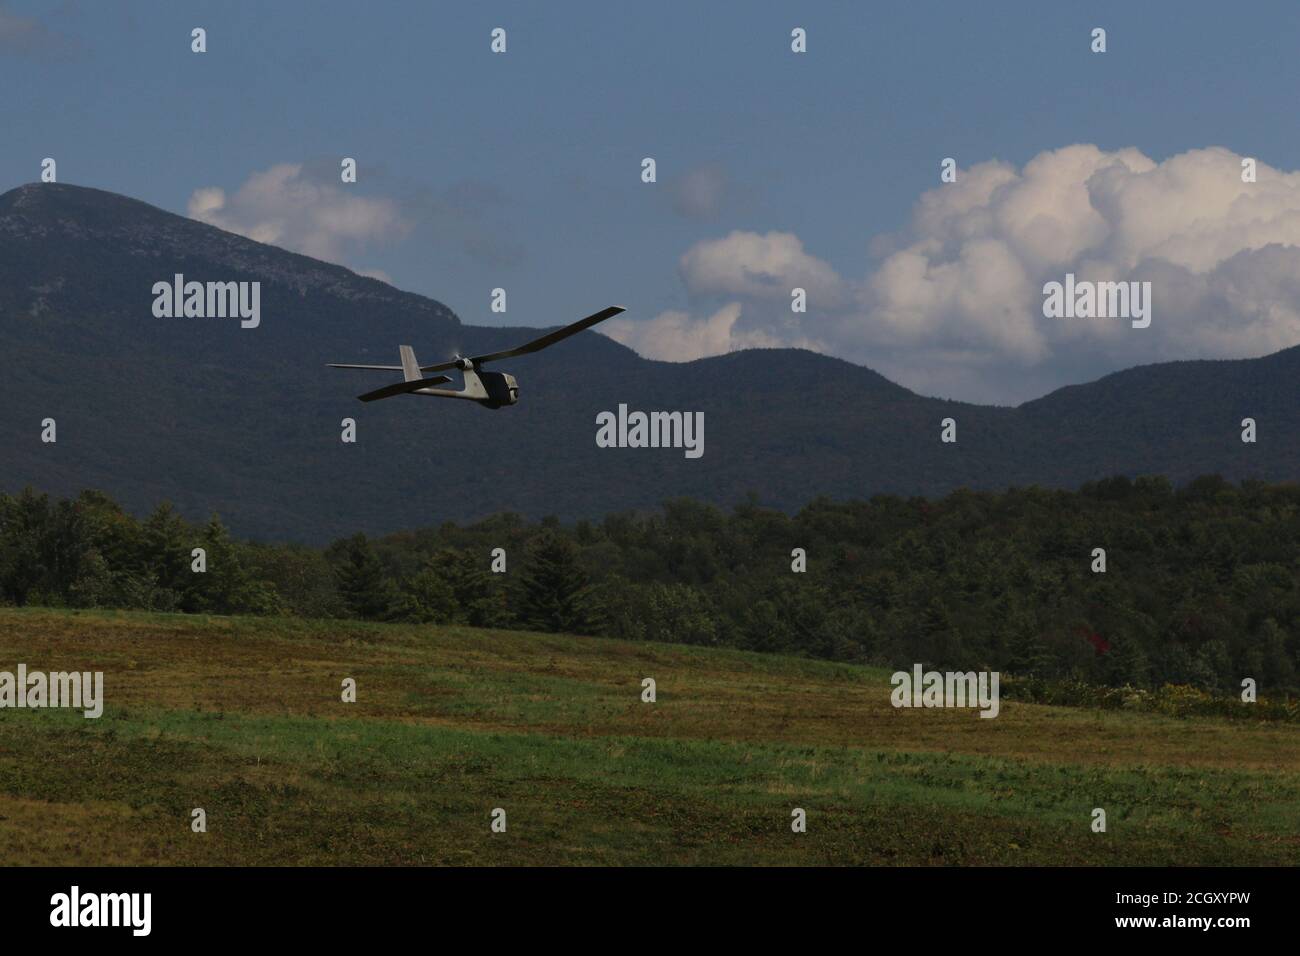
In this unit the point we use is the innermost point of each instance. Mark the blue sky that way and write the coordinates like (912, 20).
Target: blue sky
(522, 170)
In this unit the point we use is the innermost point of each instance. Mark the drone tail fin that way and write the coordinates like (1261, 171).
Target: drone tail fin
(410, 367)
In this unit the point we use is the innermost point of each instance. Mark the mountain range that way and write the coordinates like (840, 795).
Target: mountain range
(246, 422)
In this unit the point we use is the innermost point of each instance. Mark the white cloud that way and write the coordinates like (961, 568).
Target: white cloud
(282, 207)
(758, 267)
(676, 337)
(954, 304)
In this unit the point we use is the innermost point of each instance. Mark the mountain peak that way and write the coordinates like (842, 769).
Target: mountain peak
(69, 217)
(41, 209)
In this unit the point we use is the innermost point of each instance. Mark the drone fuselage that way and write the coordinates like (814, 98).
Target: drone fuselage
(489, 389)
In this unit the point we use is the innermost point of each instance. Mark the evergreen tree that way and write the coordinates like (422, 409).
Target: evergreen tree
(164, 556)
(427, 598)
(24, 523)
(227, 587)
(1028, 655)
(1126, 663)
(366, 591)
(556, 592)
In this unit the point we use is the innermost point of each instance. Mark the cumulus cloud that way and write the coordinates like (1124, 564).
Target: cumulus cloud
(762, 267)
(286, 208)
(676, 337)
(953, 305)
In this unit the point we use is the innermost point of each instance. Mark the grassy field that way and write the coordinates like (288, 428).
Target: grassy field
(243, 717)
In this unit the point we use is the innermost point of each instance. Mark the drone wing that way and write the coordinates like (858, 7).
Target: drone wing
(550, 338)
(400, 388)
(377, 368)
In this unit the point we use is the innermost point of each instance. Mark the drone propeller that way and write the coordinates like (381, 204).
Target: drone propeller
(453, 352)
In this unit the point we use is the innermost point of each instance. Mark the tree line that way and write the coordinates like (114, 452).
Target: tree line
(1201, 587)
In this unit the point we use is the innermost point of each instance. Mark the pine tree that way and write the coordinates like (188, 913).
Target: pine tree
(479, 599)
(164, 554)
(1126, 663)
(556, 592)
(365, 589)
(227, 586)
(1028, 655)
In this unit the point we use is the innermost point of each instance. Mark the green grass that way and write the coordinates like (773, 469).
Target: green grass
(242, 716)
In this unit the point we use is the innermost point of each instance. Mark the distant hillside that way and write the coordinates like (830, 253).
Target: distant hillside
(246, 421)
